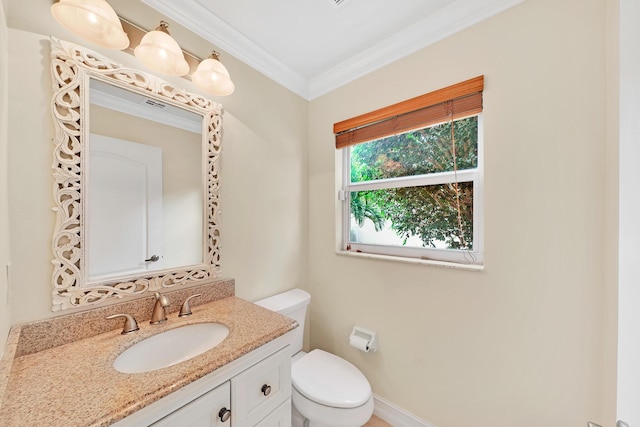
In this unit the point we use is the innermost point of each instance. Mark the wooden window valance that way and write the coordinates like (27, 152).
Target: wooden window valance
(452, 102)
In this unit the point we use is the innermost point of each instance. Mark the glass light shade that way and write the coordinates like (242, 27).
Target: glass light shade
(160, 52)
(93, 20)
(213, 77)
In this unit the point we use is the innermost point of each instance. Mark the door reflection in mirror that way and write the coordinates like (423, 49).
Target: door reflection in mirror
(125, 208)
(145, 192)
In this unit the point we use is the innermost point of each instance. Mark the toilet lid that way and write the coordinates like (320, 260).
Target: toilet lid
(330, 380)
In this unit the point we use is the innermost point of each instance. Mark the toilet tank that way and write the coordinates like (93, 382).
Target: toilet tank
(292, 304)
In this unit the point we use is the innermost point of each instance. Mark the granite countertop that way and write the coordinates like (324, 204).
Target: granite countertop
(75, 384)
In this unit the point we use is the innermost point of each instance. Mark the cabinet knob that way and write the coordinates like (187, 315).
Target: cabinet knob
(224, 414)
(266, 389)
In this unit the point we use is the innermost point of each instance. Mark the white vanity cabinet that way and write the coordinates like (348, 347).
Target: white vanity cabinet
(209, 410)
(281, 417)
(261, 389)
(256, 388)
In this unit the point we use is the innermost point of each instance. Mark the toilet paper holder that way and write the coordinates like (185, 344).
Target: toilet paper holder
(363, 339)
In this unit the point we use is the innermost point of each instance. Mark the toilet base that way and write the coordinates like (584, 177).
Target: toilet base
(297, 420)
(312, 424)
(324, 416)
(300, 422)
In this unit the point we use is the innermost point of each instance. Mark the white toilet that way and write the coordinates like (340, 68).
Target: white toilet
(327, 390)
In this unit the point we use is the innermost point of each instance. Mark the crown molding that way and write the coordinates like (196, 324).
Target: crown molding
(452, 19)
(456, 17)
(198, 19)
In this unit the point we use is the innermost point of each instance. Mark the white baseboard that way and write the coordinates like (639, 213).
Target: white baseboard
(396, 416)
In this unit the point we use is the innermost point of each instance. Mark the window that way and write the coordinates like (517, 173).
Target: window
(412, 177)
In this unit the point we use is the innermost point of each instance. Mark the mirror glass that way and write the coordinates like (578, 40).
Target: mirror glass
(144, 204)
(135, 181)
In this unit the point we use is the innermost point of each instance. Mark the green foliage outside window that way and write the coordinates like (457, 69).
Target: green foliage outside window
(429, 212)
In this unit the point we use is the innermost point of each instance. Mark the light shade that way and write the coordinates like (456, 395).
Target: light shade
(213, 77)
(93, 20)
(160, 52)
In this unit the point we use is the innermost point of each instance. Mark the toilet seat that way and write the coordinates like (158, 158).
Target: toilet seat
(329, 380)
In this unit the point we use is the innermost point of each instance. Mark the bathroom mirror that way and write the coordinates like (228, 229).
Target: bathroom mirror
(135, 181)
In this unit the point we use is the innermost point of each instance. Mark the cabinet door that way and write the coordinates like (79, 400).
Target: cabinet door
(205, 411)
(259, 390)
(281, 417)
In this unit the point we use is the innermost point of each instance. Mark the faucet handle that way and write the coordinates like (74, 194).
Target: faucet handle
(185, 310)
(164, 301)
(159, 314)
(130, 324)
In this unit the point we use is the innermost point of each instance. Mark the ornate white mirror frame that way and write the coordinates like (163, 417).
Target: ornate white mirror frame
(72, 67)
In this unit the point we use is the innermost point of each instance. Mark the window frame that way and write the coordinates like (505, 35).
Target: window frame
(455, 256)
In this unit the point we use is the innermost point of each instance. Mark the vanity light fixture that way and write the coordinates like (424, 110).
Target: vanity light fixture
(213, 77)
(160, 52)
(93, 20)
(96, 21)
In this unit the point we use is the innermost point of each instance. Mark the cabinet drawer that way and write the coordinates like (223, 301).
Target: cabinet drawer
(205, 411)
(261, 389)
(281, 417)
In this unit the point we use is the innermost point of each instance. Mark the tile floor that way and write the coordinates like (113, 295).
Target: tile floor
(377, 422)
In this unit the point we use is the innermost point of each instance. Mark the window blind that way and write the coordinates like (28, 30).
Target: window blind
(452, 102)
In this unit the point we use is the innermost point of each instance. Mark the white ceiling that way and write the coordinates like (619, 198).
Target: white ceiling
(315, 46)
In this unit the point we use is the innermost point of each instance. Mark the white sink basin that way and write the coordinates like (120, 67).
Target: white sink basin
(170, 347)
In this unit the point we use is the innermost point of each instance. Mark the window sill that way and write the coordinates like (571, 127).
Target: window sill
(406, 260)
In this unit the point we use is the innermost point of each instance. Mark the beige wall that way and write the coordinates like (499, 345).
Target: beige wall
(263, 167)
(519, 344)
(5, 312)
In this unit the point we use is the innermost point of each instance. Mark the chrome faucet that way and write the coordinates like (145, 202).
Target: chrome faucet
(159, 314)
